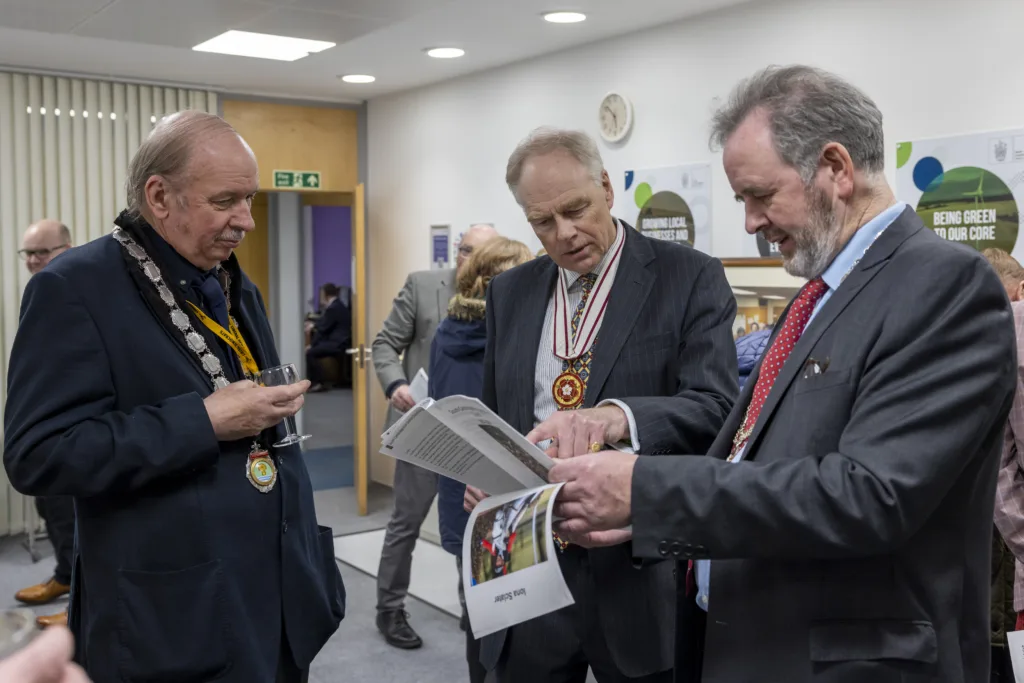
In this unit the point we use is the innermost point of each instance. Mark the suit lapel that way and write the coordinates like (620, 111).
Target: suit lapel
(870, 265)
(156, 306)
(534, 309)
(160, 312)
(250, 319)
(632, 286)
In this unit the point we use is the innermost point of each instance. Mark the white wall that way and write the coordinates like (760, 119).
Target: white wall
(437, 155)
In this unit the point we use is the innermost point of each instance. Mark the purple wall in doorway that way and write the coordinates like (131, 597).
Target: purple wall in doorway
(332, 246)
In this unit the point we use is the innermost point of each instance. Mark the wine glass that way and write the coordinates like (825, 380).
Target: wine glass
(280, 376)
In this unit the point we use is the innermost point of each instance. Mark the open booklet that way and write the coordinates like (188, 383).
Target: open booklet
(464, 440)
(510, 570)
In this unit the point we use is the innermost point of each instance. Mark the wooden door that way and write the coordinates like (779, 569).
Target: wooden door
(254, 251)
(360, 351)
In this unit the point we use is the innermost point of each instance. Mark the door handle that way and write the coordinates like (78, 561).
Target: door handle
(361, 355)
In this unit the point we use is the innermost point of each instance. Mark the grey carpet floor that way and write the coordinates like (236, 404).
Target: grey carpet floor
(356, 653)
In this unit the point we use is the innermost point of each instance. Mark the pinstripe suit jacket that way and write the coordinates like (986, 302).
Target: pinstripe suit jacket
(665, 350)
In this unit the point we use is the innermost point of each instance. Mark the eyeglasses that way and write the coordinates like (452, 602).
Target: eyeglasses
(465, 249)
(26, 254)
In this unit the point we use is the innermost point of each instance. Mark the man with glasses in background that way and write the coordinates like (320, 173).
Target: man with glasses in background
(42, 241)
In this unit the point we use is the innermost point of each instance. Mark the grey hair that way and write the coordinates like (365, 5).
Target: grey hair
(807, 109)
(167, 150)
(544, 140)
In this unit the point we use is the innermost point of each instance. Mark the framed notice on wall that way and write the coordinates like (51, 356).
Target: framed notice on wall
(967, 188)
(440, 247)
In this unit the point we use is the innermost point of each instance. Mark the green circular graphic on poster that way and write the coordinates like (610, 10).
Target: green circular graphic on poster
(666, 216)
(972, 206)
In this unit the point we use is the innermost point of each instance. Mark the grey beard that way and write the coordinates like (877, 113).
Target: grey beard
(819, 244)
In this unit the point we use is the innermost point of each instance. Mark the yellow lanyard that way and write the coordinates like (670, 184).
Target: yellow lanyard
(233, 337)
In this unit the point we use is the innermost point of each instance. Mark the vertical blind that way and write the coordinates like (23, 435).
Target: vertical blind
(65, 144)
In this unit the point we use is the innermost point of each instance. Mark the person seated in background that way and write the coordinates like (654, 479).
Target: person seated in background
(457, 368)
(331, 335)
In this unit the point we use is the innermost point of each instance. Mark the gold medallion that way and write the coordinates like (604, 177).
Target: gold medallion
(568, 390)
(260, 470)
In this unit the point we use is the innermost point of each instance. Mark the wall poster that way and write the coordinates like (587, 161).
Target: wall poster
(440, 249)
(966, 188)
(671, 203)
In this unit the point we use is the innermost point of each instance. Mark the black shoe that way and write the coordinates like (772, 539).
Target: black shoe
(394, 626)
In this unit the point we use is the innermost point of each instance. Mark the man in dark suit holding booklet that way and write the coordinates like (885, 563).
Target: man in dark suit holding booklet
(632, 347)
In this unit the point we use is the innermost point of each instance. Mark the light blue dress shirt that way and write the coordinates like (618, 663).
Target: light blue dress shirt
(833, 277)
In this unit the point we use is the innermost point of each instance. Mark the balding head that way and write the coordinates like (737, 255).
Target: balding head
(193, 180)
(42, 241)
(472, 240)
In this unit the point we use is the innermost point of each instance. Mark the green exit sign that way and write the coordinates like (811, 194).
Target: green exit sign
(297, 180)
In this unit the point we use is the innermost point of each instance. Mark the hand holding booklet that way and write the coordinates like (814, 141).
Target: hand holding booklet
(510, 568)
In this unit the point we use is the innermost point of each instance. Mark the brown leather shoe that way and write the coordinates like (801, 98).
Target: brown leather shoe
(42, 593)
(53, 620)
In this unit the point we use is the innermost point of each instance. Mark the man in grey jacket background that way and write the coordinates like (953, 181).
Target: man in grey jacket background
(399, 351)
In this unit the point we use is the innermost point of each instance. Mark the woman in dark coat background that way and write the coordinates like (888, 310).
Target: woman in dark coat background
(457, 368)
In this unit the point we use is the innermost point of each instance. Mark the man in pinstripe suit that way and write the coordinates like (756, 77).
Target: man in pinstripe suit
(649, 367)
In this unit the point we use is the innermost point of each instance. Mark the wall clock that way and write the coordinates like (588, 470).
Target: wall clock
(615, 117)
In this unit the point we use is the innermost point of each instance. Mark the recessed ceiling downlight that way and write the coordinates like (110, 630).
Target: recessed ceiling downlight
(565, 17)
(445, 52)
(358, 78)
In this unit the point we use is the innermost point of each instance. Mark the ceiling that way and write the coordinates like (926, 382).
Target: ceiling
(151, 40)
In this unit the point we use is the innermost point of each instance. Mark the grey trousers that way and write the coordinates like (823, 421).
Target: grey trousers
(415, 489)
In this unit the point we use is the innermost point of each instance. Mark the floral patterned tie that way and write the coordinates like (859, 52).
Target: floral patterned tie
(581, 365)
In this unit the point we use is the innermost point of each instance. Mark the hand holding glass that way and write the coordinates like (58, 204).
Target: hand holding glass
(280, 376)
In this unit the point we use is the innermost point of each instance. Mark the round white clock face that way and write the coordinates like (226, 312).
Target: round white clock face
(615, 117)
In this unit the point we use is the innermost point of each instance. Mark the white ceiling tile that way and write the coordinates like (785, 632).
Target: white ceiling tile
(296, 23)
(181, 23)
(51, 16)
(377, 9)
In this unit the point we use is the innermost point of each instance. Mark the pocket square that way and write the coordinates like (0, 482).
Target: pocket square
(814, 367)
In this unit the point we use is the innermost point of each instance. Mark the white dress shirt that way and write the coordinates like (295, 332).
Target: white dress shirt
(549, 366)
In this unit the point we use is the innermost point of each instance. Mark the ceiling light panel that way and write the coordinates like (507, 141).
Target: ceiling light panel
(262, 46)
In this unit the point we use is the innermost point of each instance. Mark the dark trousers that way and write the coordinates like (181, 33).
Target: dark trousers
(1002, 667)
(314, 368)
(559, 647)
(477, 672)
(59, 514)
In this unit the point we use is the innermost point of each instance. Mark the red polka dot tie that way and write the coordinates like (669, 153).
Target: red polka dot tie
(771, 366)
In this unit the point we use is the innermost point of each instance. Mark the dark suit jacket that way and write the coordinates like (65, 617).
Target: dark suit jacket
(852, 542)
(184, 571)
(665, 349)
(333, 330)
